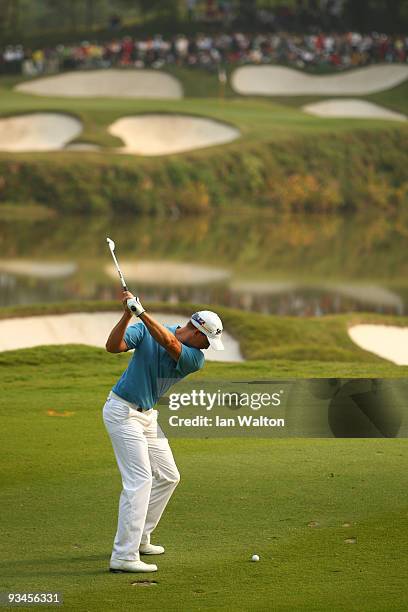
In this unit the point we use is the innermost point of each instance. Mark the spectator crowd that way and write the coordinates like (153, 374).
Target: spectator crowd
(318, 51)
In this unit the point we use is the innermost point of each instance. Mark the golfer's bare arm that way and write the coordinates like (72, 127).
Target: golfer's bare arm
(162, 335)
(116, 344)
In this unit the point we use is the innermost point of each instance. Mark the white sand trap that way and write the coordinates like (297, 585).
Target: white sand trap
(38, 269)
(106, 83)
(168, 273)
(280, 81)
(352, 108)
(38, 132)
(88, 328)
(165, 134)
(385, 341)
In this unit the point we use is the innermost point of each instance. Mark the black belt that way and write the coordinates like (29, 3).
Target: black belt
(138, 408)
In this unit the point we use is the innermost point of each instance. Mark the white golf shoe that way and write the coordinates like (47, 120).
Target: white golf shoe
(151, 549)
(122, 565)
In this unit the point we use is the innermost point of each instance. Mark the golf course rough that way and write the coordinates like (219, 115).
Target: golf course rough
(357, 171)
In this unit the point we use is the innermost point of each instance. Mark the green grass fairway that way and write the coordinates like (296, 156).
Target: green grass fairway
(60, 489)
(295, 502)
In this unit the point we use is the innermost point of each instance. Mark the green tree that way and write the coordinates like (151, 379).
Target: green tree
(9, 15)
(151, 6)
(384, 15)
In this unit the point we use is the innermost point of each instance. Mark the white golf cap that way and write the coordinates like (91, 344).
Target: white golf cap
(211, 325)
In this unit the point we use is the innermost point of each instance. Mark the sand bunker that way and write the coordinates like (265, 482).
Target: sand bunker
(88, 328)
(351, 108)
(165, 134)
(277, 80)
(38, 269)
(106, 83)
(38, 132)
(385, 341)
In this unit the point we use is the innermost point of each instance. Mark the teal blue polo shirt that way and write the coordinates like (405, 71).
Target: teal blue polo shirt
(151, 370)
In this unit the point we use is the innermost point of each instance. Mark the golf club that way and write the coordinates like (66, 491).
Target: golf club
(111, 245)
(131, 302)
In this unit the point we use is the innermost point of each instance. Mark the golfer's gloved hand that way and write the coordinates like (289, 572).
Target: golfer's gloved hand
(132, 304)
(135, 306)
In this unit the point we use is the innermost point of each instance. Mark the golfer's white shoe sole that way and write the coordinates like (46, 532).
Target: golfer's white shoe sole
(131, 566)
(151, 549)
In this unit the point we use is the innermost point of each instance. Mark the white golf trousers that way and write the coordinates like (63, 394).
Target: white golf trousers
(149, 473)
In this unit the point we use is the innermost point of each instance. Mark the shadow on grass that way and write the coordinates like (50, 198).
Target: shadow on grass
(43, 560)
(18, 564)
(54, 574)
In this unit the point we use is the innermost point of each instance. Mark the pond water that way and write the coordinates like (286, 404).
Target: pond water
(288, 265)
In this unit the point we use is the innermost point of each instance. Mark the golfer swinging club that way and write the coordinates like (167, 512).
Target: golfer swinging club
(163, 355)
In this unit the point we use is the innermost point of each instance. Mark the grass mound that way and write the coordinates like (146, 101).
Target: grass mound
(272, 345)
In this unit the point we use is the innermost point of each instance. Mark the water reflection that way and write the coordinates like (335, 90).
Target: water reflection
(169, 273)
(291, 265)
(37, 269)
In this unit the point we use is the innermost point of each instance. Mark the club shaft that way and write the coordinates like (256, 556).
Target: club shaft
(119, 270)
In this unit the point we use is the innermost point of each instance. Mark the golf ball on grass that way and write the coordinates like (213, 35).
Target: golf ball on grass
(255, 558)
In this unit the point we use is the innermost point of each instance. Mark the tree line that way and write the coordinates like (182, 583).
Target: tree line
(23, 19)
